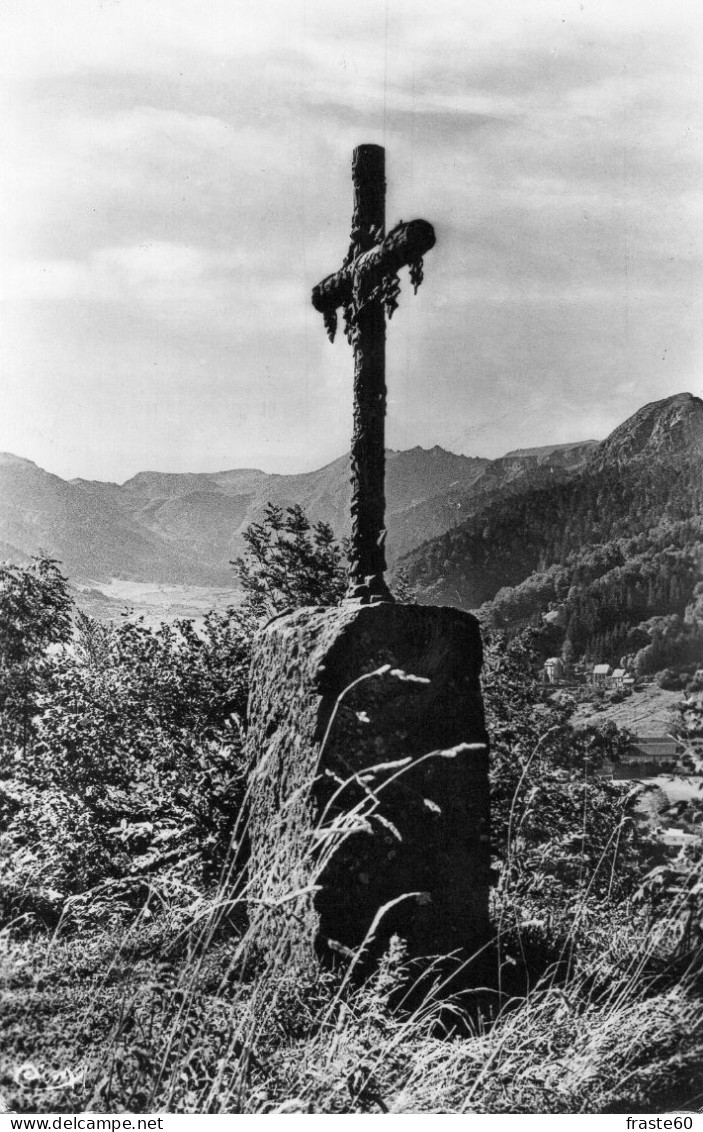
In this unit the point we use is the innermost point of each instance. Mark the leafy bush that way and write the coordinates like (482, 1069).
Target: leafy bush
(671, 680)
(132, 762)
(290, 562)
(561, 833)
(35, 614)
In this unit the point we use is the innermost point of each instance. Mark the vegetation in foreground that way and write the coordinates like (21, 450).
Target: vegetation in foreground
(132, 980)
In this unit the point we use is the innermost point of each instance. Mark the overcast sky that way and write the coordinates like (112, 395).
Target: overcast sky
(176, 178)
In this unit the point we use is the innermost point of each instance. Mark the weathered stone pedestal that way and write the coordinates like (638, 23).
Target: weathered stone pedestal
(333, 840)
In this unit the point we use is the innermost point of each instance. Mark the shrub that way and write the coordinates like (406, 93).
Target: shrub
(135, 762)
(35, 615)
(560, 832)
(290, 562)
(671, 680)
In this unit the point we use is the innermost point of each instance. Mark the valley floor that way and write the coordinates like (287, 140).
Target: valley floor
(155, 602)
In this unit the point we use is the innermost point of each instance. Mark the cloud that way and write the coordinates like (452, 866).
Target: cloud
(177, 284)
(143, 271)
(64, 36)
(177, 178)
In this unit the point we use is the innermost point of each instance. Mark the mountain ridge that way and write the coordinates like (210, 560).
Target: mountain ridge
(672, 422)
(184, 528)
(613, 550)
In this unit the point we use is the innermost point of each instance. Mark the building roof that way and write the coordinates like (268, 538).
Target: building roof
(619, 672)
(651, 746)
(656, 740)
(601, 669)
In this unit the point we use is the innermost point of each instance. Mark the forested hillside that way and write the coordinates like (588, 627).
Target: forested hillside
(185, 528)
(612, 556)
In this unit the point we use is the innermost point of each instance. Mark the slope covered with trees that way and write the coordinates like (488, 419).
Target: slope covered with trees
(613, 554)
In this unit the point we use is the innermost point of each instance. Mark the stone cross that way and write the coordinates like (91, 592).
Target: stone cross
(366, 288)
(373, 820)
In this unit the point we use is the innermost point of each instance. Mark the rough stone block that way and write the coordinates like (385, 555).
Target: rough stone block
(369, 785)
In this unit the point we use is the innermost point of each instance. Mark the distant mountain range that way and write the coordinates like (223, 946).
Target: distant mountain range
(184, 528)
(599, 537)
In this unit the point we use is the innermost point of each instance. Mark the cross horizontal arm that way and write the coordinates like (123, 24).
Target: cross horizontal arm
(406, 244)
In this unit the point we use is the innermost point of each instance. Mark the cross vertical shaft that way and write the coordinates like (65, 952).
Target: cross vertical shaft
(366, 290)
(367, 563)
